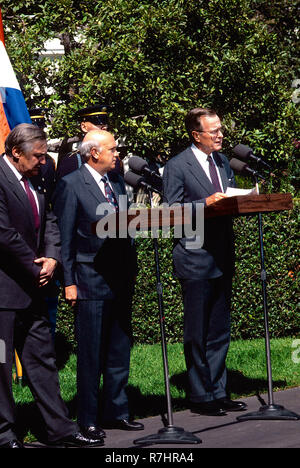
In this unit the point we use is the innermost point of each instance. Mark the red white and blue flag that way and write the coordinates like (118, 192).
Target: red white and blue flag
(13, 109)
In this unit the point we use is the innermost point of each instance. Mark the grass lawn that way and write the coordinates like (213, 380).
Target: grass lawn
(246, 365)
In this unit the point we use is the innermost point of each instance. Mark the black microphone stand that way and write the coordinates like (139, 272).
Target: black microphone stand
(271, 410)
(169, 434)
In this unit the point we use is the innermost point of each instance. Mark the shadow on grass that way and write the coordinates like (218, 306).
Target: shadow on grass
(239, 385)
(63, 350)
(30, 421)
(143, 406)
(153, 405)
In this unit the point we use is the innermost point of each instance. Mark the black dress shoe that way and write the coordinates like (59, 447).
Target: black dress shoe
(77, 440)
(124, 424)
(12, 444)
(208, 408)
(92, 432)
(229, 405)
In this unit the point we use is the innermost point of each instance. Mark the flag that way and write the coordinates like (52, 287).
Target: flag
(13, 109)
(1, 29)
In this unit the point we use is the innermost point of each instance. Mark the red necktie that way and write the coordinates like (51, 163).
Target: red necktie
(32, 203)
(213, 174)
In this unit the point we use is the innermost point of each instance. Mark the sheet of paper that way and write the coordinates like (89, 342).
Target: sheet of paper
(232, 192)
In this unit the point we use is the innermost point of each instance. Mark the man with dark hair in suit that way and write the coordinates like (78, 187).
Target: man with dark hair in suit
(201, 174)
(30, 250)
(99, 277)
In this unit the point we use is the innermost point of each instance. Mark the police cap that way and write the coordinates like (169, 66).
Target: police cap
(38, 116)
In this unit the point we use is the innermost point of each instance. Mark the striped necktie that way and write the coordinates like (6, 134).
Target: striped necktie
(109, 194)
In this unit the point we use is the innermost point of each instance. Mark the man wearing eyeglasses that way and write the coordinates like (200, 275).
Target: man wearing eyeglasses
(201, 174)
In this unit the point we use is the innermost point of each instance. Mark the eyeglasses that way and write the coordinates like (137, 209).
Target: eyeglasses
(212, 132)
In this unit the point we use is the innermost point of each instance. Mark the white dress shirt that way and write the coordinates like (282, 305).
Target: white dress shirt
(202, 159)
(98, 178)
(19, 177)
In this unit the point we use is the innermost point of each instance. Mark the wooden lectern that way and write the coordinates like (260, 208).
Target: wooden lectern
(144, 219)
(250, 204)
(159, 217)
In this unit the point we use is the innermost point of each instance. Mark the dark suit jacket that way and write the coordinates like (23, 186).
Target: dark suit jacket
(185, 181)
(46, 178)
(99, 267)
(19, 245)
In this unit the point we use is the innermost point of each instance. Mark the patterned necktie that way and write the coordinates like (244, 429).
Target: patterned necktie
(213, 174)
(109, 194)
(32, 203)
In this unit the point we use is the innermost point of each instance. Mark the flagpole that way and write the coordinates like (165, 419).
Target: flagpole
(2, 38)
(4, 127)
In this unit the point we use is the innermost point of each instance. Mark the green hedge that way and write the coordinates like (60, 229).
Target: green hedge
(281, 262)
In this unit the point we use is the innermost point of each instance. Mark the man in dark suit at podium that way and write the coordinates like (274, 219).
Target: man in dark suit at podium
(201, 174)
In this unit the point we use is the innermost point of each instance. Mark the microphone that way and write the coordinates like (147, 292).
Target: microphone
(140, 166)
(243, 168)
(135, 180)
(245, 152)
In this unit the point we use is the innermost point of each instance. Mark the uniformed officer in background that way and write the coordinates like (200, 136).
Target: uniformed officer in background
(38, 117)
(46, 180)
(90, 118)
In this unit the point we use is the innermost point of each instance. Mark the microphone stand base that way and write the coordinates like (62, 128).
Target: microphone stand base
(169, 435)
(269, 412)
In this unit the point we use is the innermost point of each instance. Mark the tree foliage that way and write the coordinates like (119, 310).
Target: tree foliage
(154, 60)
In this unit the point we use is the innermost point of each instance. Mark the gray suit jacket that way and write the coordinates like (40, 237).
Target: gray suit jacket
(19, 245)
(185, 181)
